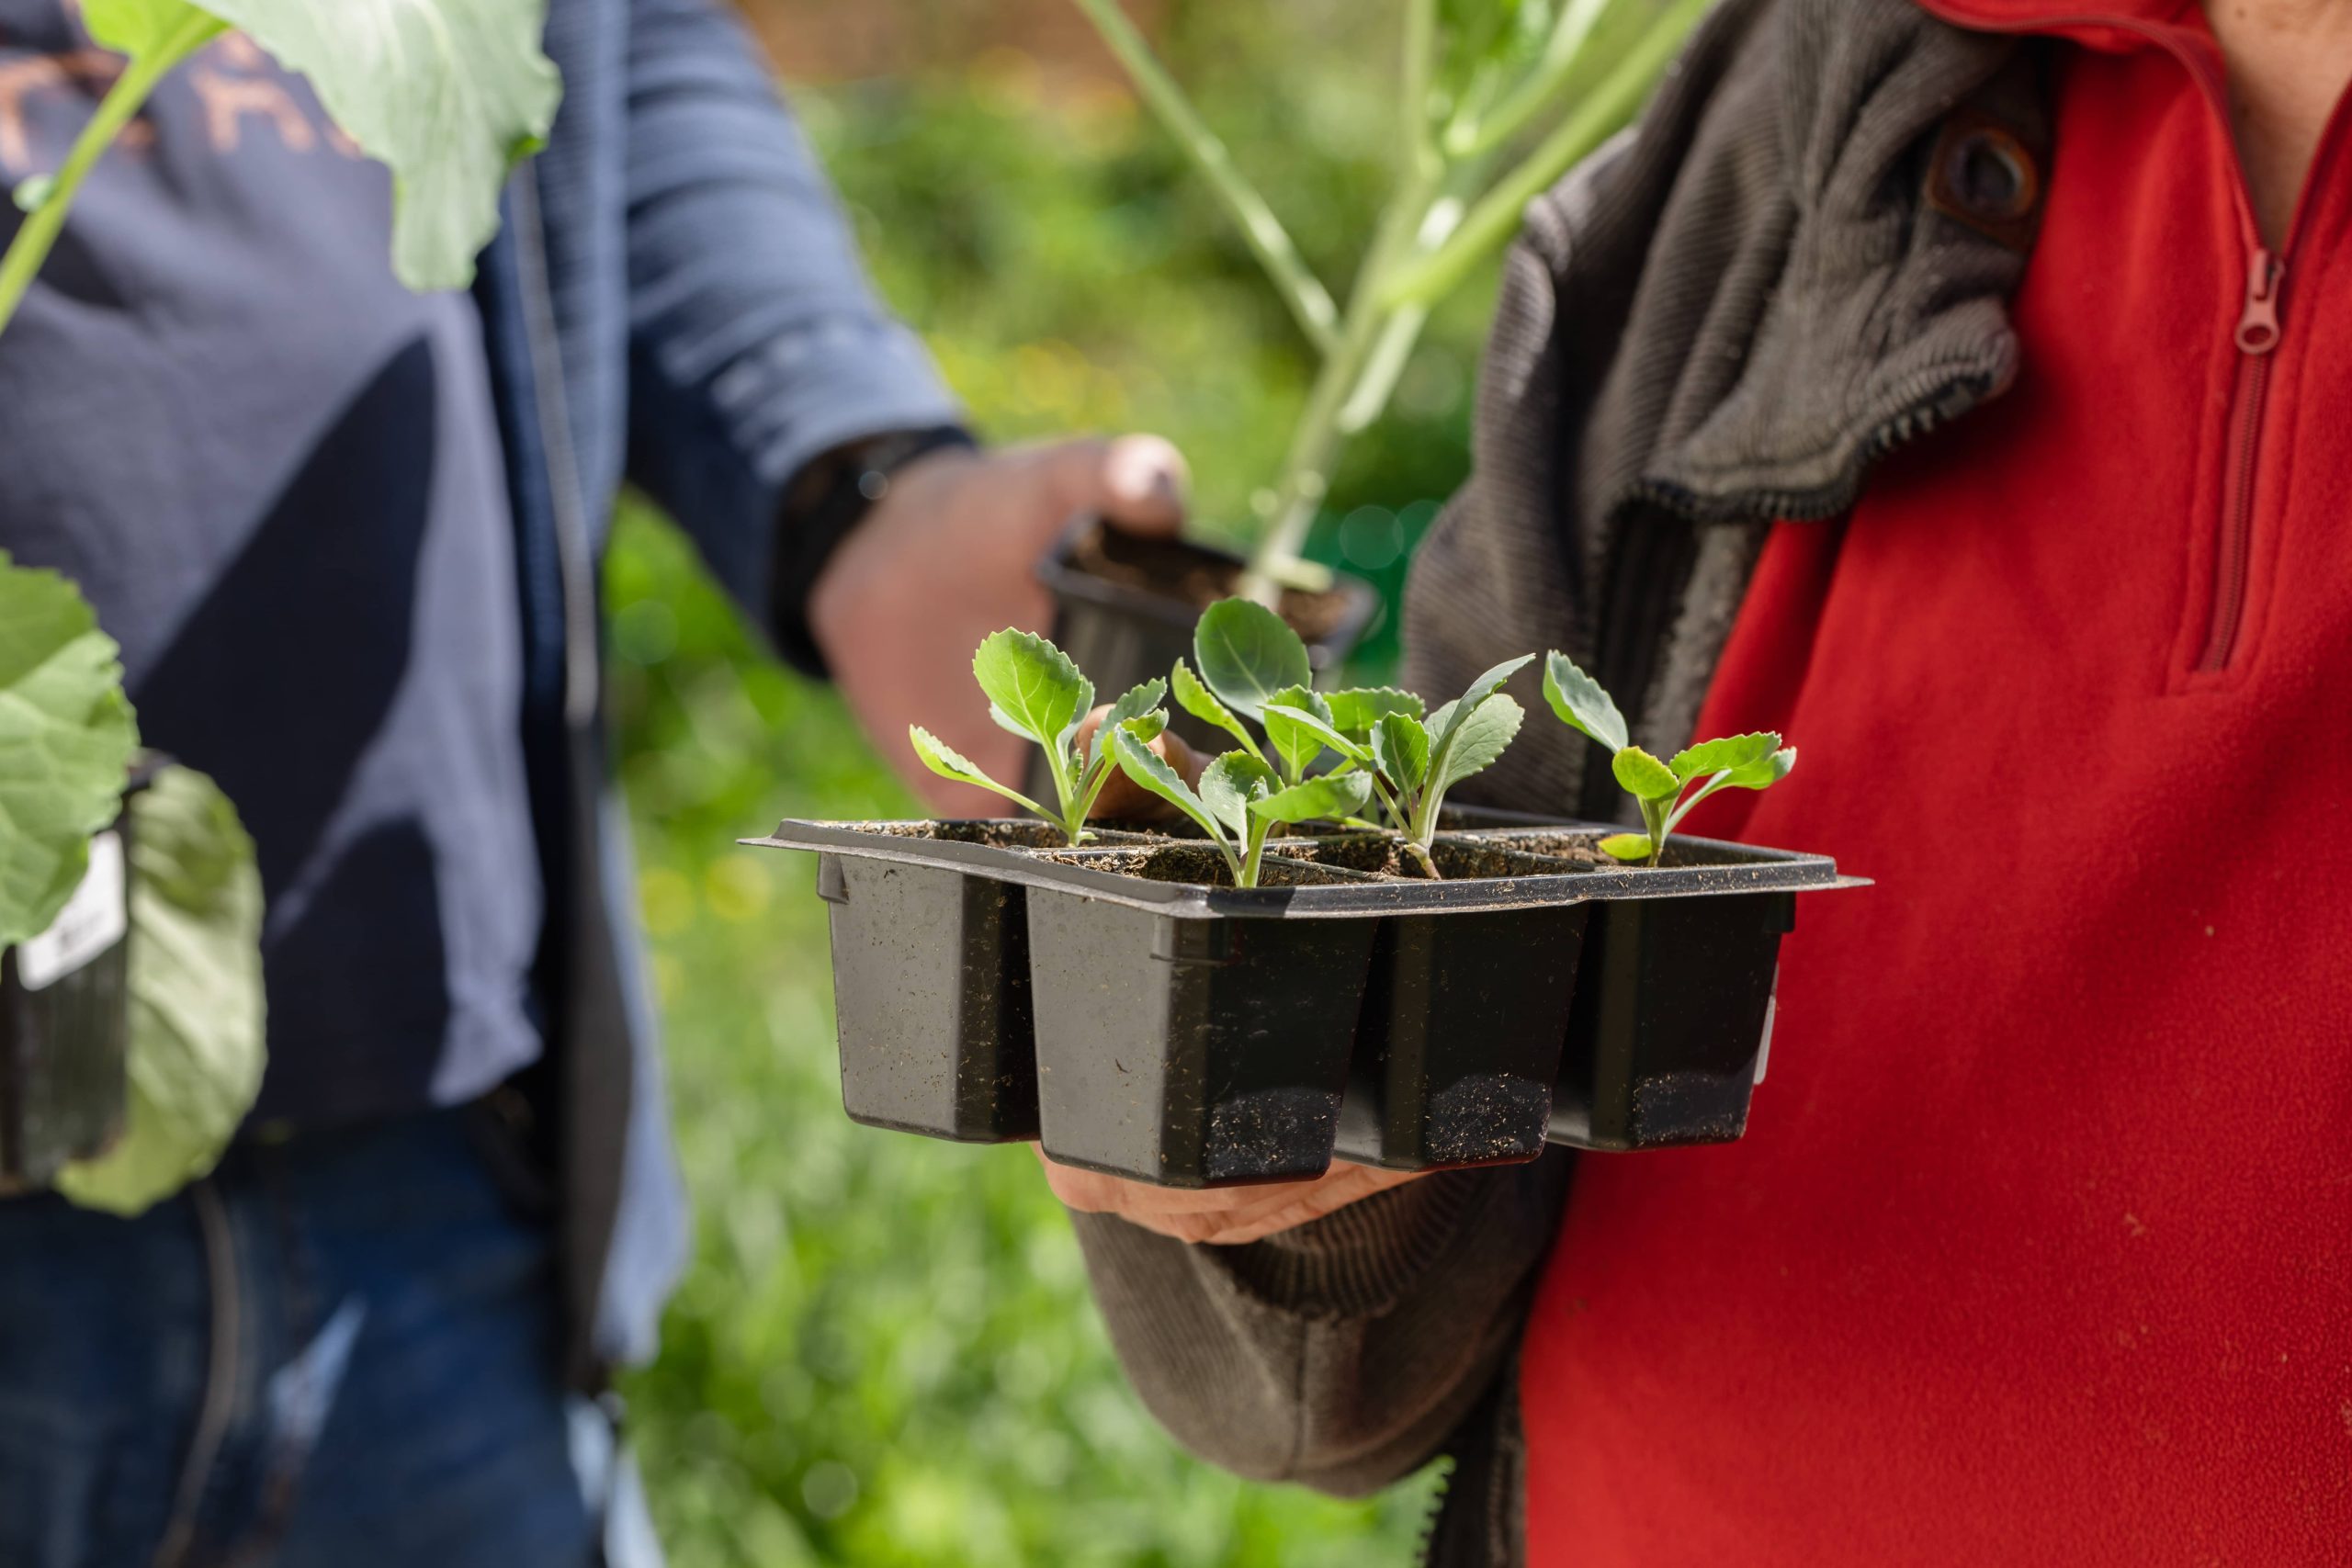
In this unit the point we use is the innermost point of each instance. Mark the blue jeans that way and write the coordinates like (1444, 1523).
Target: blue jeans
(337, 1350)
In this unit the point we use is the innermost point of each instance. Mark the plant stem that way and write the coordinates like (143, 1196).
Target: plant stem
(1535, 92)
(37, 234)
(1293, 278)
(1420, 154)
(1420, 852)
(1496, 216)
(1250, 867)
(1654, 818)
(1315, 447)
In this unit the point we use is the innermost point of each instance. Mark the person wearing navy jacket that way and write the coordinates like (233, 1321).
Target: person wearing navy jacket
(348, 539)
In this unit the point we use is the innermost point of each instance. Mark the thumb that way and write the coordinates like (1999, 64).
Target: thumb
(1136, 481)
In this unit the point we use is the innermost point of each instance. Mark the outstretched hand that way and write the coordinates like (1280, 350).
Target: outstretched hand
(949, 555)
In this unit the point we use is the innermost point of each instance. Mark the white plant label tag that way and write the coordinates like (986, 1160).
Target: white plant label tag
(92, 921)
(1772, 1012)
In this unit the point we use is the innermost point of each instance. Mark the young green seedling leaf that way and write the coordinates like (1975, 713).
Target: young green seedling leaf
(1324, 799)
(1036, 692)
(949, 764)
(1296, 745)
(1231, 784)
(1478, 739)
(1137, 702)
(1201, 703)
(1731, 752)
(1417, 761)
(1066, 743)
(1400, 748)
(1762, 773)
(1482, 688)
(1645, 777)
(1355, 712)
(1247, 654)
(1662, 790)
(1313, 725)
(1031, 684)
(1578, 698)
(1151, 772)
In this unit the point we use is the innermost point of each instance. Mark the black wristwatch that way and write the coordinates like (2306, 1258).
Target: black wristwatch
(830, 496)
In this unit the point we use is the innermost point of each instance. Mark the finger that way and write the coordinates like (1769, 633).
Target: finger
(1345, 1185)
(1091, 1192)
(1122, 799)
(1137, 481)
(1223, 1216)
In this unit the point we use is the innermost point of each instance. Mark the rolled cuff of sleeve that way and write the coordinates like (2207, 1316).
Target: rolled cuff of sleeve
(1356, 1262)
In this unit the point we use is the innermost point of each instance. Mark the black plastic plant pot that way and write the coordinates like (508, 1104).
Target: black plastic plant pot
(1198, 1045)
(1672, 1022)
(930, 987)
(65, 1024)
(1125, 607)
(1459, 1037)
(1672, 1014)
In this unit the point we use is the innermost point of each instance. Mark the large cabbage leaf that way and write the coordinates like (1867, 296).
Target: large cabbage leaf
(196, 1052)
(448, 93)
(65, 741)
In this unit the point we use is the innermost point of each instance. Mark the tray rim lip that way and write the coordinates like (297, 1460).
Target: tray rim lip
(1758, 870)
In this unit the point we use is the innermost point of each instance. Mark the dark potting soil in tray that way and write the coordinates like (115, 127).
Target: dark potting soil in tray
(1171, 569)
(1194, 864)
(1582, 847)
(1457, 859)
(1008, 835)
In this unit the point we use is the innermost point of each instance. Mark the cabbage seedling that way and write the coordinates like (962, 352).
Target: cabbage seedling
(1662, 788)
(1250, 659)
(1410, 763)
(1254, 665)
(1241, 799)
(1034, 691)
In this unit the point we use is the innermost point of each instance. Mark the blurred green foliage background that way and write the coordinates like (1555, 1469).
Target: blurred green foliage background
(884, 1353)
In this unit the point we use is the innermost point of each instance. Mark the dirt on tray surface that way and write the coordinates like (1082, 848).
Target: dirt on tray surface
(997, 835)
(1457, 859)
(1195, 864)
(1171, 569)
(1581, 847)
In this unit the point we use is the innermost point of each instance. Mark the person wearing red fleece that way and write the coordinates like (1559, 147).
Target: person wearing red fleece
(2040, 1249)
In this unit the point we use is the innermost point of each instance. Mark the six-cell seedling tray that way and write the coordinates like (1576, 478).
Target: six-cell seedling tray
(1127, 1007)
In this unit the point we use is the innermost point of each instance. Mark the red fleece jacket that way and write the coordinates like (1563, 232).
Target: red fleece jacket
(2038, 1249)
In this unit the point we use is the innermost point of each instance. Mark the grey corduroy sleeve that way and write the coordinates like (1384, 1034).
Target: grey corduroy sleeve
(1339, 1355)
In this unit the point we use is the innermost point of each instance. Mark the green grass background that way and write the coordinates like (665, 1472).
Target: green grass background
(884, 1353)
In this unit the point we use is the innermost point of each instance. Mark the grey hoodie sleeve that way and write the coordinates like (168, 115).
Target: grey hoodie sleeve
(1339, 1355)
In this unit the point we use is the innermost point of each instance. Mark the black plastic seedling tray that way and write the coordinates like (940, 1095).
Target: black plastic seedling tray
(1191, 1033)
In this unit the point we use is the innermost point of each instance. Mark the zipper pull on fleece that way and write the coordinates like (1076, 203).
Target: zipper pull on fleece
(2258, 322)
